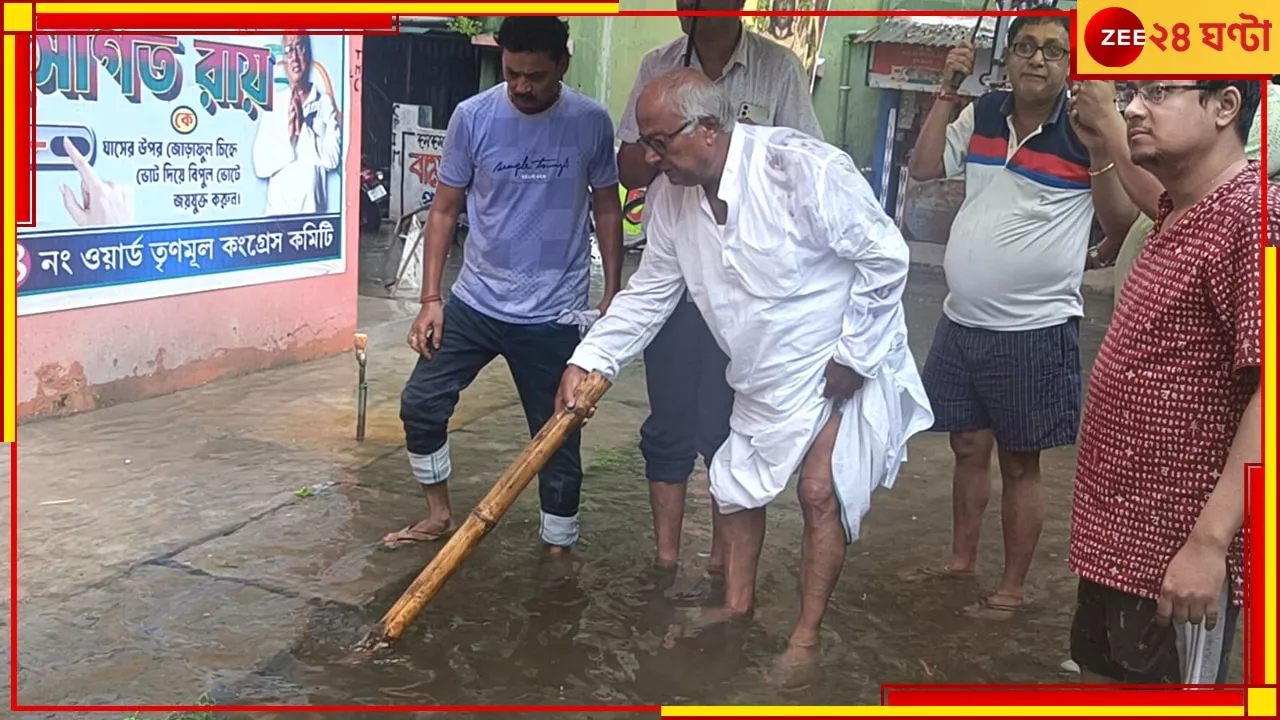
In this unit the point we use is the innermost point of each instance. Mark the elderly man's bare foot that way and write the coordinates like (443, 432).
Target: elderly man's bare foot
(692, 621)
(662, 577)
(706, 592)
(715, 576)
(798, 667)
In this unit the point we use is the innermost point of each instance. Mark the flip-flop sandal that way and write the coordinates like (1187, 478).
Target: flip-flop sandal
(987, 609)
(409, 536)
(926, 572)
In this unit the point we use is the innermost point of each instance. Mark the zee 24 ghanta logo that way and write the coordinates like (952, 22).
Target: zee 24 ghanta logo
(1115, 37)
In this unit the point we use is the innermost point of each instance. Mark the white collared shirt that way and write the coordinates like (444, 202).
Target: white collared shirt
(761, 74)
(1014, 258)
(296, 171)
(807, 268)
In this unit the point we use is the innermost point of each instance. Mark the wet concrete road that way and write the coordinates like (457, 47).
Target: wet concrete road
(225, 540)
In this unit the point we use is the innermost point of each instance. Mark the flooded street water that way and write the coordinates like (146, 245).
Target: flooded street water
(167, 549)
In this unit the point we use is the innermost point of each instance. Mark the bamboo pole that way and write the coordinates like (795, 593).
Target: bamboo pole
(487, 514)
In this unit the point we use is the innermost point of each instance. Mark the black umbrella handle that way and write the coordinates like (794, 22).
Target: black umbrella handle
(693, 34)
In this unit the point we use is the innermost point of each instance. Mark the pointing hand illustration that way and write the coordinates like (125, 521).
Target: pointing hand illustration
(104, 203)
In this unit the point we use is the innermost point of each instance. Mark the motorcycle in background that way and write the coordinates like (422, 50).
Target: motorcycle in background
(632, 211)
(404, 257)
(374, 198)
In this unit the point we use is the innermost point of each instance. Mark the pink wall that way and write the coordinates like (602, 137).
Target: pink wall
(91, 357)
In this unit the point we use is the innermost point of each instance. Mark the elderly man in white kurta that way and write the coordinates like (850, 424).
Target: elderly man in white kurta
(799, 274)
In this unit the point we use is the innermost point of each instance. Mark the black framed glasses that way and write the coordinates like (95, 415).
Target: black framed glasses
(1152, 94)
(657, 142)
(1026, 48)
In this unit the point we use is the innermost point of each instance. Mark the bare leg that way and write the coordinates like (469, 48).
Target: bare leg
(971, 490)
(719, 548)
(821, 558)
(438, 506)
(743, 537)
(667, 501)
(1022, 517)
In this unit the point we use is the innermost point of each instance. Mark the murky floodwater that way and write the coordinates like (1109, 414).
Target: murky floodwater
(515, 627)
(234, 613)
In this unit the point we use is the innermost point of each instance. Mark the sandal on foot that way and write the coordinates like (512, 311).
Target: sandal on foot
(409, 536)
(926, 572)
(988, 609)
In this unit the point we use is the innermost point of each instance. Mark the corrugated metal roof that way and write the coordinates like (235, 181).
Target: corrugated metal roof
(936, 31)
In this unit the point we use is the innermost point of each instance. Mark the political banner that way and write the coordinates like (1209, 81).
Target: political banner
(415, 158)
(173, 164)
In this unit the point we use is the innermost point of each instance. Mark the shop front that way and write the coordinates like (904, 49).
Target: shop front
(906, 62)
(194, 213)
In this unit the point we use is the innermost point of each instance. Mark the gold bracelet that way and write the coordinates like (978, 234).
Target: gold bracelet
(1096, 173)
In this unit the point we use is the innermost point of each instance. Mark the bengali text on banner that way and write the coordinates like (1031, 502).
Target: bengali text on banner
(1176, 39)
(194, 218)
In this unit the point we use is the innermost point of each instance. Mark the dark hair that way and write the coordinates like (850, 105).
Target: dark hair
(535, 33)
(1022, 21)
(1250, 99)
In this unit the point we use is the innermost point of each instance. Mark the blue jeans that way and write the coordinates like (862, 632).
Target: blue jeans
(537, 355)
(690, 400)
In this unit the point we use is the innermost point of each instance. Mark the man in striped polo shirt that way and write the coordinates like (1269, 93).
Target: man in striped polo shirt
(1004, 369)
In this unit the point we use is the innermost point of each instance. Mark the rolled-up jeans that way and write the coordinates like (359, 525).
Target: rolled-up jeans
(537, 355)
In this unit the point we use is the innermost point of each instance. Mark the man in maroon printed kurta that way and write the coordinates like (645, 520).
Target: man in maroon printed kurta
(1174, 407)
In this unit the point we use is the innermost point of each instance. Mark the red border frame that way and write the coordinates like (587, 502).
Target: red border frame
(891, 694)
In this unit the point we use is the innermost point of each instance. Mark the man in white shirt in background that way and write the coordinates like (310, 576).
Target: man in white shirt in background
(300, 141)
(689, 399)
(799, 274)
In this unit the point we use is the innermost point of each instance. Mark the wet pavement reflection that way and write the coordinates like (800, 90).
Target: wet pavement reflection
(184, 559)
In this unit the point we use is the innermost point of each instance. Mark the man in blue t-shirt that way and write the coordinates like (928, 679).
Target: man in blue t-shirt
(527, 155)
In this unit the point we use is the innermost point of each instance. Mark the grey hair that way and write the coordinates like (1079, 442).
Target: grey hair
(697, 102)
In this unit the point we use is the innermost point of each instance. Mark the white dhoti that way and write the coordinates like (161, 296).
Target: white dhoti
(766, 447)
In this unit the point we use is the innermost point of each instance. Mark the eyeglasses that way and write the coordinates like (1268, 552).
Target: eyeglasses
(1153, 94)
(298, 49)
(1026, 48)
(657, 142)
